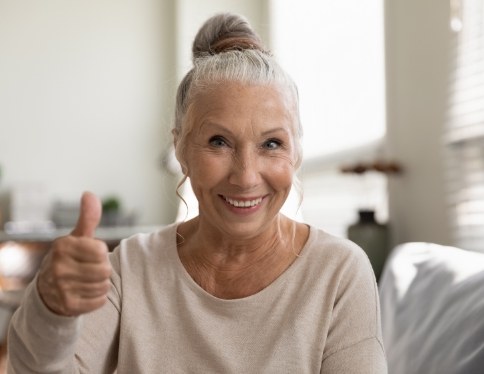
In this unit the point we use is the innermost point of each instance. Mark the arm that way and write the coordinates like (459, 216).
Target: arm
(365, 357)
(354, 342)
(97, 348)
(39, 338)
(41, 341)
(72, 283)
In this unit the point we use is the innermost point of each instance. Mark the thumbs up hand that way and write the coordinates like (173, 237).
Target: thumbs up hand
(74, 276)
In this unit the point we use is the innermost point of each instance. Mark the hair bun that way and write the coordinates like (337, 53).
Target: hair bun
(225, 32)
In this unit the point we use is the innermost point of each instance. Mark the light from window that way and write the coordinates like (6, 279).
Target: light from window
(334, 52)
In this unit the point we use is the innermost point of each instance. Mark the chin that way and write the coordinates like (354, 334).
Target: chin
(245, 230)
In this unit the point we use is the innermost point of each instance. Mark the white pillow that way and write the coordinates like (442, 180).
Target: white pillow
(432, 302)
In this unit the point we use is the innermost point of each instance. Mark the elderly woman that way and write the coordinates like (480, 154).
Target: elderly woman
(238, 289)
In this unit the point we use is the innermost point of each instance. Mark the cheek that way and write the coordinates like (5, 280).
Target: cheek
(205, 169)
(281, 172)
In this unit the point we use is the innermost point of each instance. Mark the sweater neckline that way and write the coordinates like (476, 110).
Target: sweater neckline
(275, 284)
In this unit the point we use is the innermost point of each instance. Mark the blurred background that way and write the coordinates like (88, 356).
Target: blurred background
(391, 93)
(87, 93)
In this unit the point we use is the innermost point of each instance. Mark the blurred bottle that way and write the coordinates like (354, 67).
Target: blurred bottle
(373, 237)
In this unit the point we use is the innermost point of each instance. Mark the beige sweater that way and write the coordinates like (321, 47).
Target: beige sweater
(320, 316)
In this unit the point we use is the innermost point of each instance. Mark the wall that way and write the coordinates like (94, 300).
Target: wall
(417, 48)
(83, 99)
(86, 97)
(87, 92)
(192, 13)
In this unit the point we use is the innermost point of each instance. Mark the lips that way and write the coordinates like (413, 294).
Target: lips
(247, 203)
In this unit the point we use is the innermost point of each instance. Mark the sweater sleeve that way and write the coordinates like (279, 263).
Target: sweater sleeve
(354, 342)
(40, 341)
(365, 357)
(97, 347)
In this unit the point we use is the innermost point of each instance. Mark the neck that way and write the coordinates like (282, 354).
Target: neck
(237, 267)
(211, 242)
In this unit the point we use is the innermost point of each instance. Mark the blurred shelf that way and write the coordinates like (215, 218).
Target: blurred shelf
(111, 235)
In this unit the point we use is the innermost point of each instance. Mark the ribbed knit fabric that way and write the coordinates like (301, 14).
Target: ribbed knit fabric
(320, 316)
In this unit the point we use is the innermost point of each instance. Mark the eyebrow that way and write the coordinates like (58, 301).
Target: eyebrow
(213, 124)
(224, 129)
(277, 129)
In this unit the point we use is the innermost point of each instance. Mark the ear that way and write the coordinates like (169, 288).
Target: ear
(175, 134)
(176, 137)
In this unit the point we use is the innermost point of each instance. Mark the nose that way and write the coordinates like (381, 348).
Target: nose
(245, 171)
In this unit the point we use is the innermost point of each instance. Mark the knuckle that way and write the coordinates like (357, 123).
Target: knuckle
(58, 270)
(96, 249)
(60, 247)
(106, 272)
(69, 303)
(106, 286)
(57, 249)
(101, 250)
(64, 289)
(63, 241)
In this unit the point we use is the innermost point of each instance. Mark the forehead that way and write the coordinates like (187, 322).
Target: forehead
(242, 106)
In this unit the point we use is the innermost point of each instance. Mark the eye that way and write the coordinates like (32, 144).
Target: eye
(272, 144)
(217, 141)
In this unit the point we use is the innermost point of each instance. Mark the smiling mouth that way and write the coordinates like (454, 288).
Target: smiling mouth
(243, 203)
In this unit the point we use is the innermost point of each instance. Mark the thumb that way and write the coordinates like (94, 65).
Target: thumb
(89, 216)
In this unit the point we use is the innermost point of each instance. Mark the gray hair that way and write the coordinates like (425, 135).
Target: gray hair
(226, 49)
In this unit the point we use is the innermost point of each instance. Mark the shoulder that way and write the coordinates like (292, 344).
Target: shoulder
(142, 247)
(140, 259)
(335, 251)
(340, 266)
(350, 281)
(146, 240)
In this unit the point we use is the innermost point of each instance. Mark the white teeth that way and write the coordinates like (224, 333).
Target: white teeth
(243, 204)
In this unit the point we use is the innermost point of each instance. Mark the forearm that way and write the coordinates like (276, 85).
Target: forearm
(40, 341)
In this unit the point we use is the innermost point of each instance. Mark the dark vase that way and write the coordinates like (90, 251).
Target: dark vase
(373, 237)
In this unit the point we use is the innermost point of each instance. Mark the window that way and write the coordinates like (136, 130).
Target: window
(465, 132)
(334, 50)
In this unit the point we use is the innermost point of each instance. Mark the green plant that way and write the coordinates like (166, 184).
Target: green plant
(111, 204)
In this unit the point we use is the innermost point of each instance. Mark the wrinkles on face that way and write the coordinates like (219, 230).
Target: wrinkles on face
(241, 147)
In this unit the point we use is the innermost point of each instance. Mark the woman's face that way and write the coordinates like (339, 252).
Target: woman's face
(240, 156)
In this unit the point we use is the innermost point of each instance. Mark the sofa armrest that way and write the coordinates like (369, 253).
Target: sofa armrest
(432, 302)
